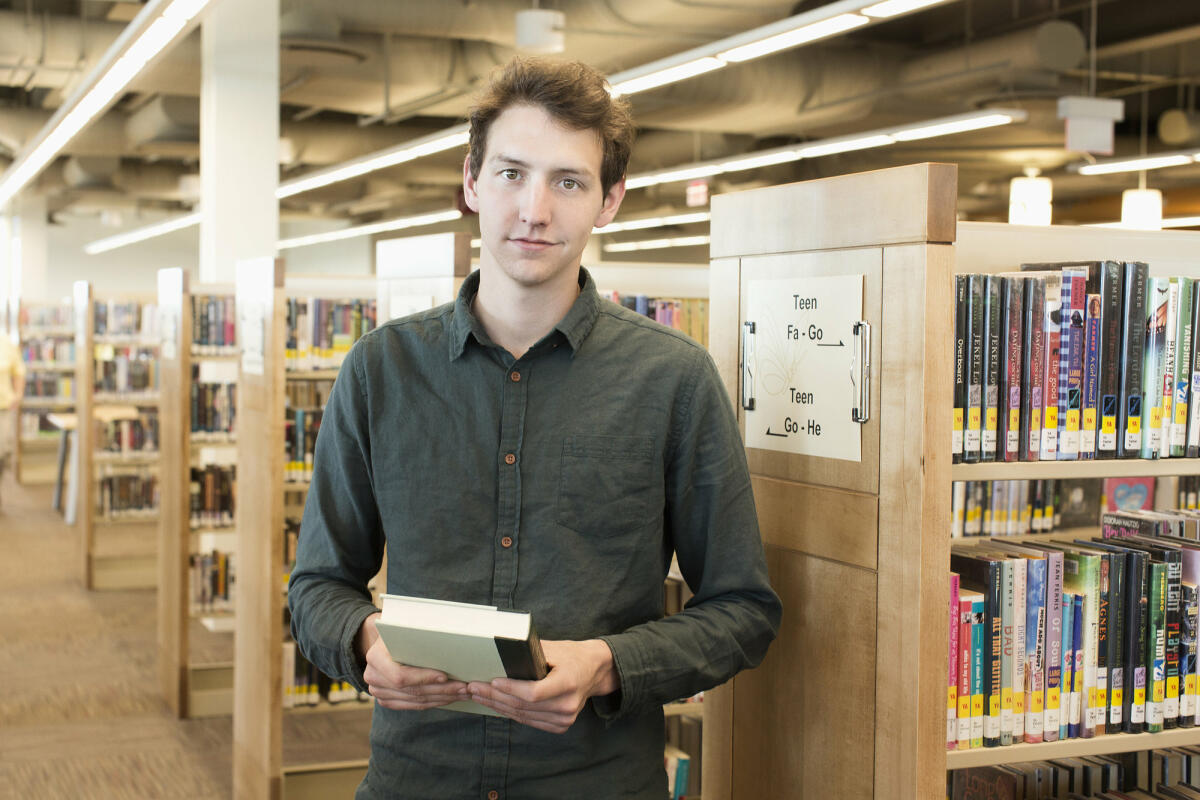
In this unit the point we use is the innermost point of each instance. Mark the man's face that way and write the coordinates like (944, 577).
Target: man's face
(538, 195)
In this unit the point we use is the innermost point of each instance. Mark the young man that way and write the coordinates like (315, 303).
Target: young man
(534, 447)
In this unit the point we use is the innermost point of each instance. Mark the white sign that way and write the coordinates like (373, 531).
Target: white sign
(252, 326)
(167, 330)
(799, 366)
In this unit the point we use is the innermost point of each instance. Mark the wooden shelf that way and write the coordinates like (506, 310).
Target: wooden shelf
(1112, 743)
(29, 334)
(107, 457)
(40, 443)
(329, 708)
(311, 375)
(296, 486)
(211, 438)
(123, 339)
(1102, 468)
(131, 398)
(47, 402)
(693, 710)
(50, 366)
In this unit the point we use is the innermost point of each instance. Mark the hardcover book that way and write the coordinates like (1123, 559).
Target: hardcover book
(1133, 344)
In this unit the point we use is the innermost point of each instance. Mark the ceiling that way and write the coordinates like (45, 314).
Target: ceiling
(338, 56)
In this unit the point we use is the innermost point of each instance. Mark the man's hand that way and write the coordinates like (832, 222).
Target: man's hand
(579, 670)
(402, 688)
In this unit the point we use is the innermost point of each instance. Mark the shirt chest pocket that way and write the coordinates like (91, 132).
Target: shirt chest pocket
(607, 484)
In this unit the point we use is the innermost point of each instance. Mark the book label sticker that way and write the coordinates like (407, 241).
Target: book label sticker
(804, 350)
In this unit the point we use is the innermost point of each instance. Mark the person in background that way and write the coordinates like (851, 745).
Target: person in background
(12, 387)
(532, 446)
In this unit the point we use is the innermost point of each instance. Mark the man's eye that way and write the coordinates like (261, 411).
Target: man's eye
(510, 174)
(570, 183)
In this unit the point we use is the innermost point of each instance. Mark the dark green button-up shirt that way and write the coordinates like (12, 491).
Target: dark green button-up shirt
(559, 483)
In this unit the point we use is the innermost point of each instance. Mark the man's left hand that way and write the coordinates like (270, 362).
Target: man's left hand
(578, 671)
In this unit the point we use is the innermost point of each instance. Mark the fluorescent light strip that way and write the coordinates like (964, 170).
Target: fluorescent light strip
(1181, 222)
(654, 222)
(1137, 164)
(372, 228)
(823, 147)
(105, 83)
(894, 8)
(142, 234)
(655, 244)
(802, 35)
(689, 69)
(428, 145)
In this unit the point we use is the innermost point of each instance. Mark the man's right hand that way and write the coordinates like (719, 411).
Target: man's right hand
(402, 688)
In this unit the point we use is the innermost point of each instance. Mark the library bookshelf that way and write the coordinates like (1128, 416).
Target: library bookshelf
(42, 327)
(117, 551)
(859, 551)
(195, 647)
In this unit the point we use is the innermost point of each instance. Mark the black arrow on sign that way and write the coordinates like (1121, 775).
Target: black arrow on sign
(784, 435)
(839, 344)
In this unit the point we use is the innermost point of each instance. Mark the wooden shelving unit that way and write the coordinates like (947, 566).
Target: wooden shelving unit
(35, 457)
(114, 553)
(1106, 468)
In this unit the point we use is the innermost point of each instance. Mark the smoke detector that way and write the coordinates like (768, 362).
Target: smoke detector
(540, 30)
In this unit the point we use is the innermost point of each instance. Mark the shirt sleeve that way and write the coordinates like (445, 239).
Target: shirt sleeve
(341, 539)
(711, 522)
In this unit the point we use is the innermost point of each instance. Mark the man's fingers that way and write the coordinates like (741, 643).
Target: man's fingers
(551, 722)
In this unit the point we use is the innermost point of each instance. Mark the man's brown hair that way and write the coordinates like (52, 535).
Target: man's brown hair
(571, 92)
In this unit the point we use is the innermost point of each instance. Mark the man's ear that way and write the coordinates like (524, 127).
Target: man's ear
(469, 193)
(612, 202)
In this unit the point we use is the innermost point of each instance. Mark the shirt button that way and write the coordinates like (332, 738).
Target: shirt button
(506, 541)
(510, 459)
(493, 795)
(516, 377)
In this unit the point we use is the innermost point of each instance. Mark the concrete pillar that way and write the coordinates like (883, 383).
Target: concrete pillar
(239, 136)
(30, 280)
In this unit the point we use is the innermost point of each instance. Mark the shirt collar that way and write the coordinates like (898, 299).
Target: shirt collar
(574, 327)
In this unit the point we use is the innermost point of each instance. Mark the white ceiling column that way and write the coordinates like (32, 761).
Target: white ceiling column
(239, 136)
(30, 244)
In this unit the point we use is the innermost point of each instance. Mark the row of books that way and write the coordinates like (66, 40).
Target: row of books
(213, 322)
(127, 494)
(320, 332)
(1003, 508)
(34, 424)
(55, 350)
(211, 582)
(678, 765)
(212, 493)
(1166, 774)
(300, 437)
(129, 435)
(33, 318)
(1188, 495)
(125, 369)
(1076, 360)
(308, 394)
(213, 405)
(1074, 638)
(689, 315)
(125, 318)
(305, 685)
(49, 385)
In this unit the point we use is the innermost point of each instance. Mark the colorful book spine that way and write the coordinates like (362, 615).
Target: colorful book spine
(1156, 647)
(1053, 337)
(1078, 726)
(1157, 306)
(960, 367)
(1133, 345)
(993, 293)
(1091, 379)
(1033, 371)
(1054, 652)
(1166, 388)
(1099, 701)
(1189, 617)
(952, 673)
(1009, 439)
(1020, 598)
(1193, 426)
(1070, 371)
(1035, 650)
(1070, 693)
(966, 655)
(1183, 370)
(1007, 639)
(973, 434)
(978, 638)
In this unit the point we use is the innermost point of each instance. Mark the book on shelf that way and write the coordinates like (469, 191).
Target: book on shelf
(689, 315)
(125, 369)
(125, 319)
(321, 331)
(300, 440)
(48, 350)
(305, 685)
(466, 641)
(1161, 774)
(35, 319)
(212, 581)
(1006, 508)
(212, 494)
(126, 493)
(213, 323)
(49, 386)
(678, 766)
(129, 436)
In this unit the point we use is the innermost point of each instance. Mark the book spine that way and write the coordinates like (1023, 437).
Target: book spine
(952, 671)
(1189, 609)
(1172, 652)
(1099, 702)
(1193, 427)
(1091, 379)
(978, 669)
(1157, 304)
(1183, 371)
(1116, 642)
(1166, 389)
(1133, 344)
(973, 434)
(1035, 651)
(965, 658)
(1139, 596)
(1053, 337)
(1053, 647)
(1033, 370)
(1070, 695)
(960, 367)
(1020, 595)
(1070, 373)
(1110, 359)
(994, 643)
(1078, 727)
(1156, 647)
(994, 336)
(1007, 639)
(1010, 378)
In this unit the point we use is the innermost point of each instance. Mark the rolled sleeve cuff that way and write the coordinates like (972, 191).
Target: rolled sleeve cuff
(631, 672)
(351, 667)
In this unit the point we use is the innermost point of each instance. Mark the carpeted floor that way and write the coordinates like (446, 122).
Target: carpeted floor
(80, 712)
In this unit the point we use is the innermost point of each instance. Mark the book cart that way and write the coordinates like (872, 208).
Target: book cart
(195, 644)
(118, 550)
(313, 751)
(46, 339)
(850, 700)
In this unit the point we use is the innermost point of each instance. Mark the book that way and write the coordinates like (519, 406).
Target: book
(960, 367)
(969, 603)
(1183, 370)
(1156, 647)
(1052, 322)
(1133, 344)
(953, 665)
(994, 335)
(1193, 424)
(1167, 389)
(1009, 431)
(1070, 371)
(973, 433)
(1154, 364)
(1091, 379)
(468, 642)
(1033, 368)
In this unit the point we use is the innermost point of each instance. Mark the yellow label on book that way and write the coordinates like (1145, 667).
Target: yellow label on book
(1014, 419)
(1078, 684)
(1118, 698)
(1089, 419)
(992, 419)
(1190, 684)
(1038, 702)
(1051, 417)
(1018, 702)
(1173, 687)
(976, 705)
(1155, 418)
(951, 698)
(1108, 425)
(1139, 697)
(994, 705)
(1181, 411)
(1134, 425)
(1073, 419)
(958, 419)
(1101, 698)
(1052, 698)
(964, 706)
(1159, 691)
(1091, 697)
(1006, 699)
(1166, 407)
(974, 418)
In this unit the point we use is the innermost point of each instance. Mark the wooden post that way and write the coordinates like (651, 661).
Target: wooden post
(84, 479)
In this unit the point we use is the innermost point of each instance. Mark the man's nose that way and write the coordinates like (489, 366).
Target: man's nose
(535, 204)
